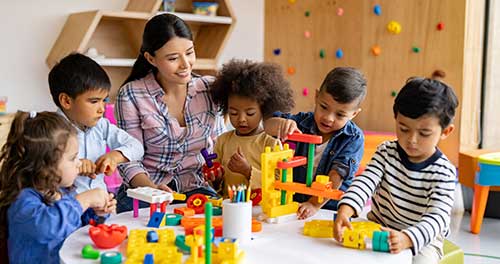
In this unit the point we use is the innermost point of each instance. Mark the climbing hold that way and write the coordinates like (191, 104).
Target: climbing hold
(307, 13)
(377, 10)
(305, 91)
(415, 49)
(339, 54)
(376, 50)
(340, 11)
(322, 53)
(307, 34)
(291, 70)
(291, 1)
(440, 26)
(394, 27)
(277, 52)
(394, 93)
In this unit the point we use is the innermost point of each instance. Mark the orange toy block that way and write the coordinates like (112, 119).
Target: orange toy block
(185, 211)
(302, 188)
(294, 162)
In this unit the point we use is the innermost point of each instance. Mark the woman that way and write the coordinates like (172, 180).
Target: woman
(169, 110)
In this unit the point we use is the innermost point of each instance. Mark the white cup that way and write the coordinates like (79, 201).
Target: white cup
(237, 220)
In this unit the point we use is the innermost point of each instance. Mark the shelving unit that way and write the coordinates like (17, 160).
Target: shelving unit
(118, 36)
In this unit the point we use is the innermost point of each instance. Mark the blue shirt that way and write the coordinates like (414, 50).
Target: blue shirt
(343, 152)
(92, 144)
(37, 230)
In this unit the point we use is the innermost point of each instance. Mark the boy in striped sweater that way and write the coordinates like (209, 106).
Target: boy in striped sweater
(411, 181)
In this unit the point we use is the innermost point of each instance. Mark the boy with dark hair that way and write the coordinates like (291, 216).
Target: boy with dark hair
(80, 88)
(337, 103)
(411, 181)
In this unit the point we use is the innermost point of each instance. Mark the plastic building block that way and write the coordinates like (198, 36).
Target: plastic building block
(217, 210)
(302, 188)
(256, 196)
(380, 241)
(197, 202)
(149, 259)
(180, 242)
(211, 167)
(185, 211)
(111, 257)
(150, 195)
(179, 196)
(173, 219)
(156, 220)
(89, 252)
(305, 138)
(208, 157)
(152, 236)
(105, 236)
(319, 228)
(163, 251)
(294, 162)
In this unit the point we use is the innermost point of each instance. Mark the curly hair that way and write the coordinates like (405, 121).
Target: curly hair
(30, 157)
(262, 81)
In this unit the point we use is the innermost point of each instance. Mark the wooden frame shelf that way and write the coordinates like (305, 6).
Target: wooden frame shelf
(117, 36)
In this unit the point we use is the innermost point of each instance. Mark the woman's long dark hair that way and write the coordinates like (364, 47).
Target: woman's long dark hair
(158, 31)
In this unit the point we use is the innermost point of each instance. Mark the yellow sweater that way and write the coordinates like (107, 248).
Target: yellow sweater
(251, 146)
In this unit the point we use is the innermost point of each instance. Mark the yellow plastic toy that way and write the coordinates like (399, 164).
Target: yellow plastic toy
(164, 250)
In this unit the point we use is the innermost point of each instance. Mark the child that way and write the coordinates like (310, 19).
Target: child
(337, 103)
(37, 207)
(80, 88)
(248, 92)
(411, 181)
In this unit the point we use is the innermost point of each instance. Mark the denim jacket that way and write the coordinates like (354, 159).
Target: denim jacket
(342, 154)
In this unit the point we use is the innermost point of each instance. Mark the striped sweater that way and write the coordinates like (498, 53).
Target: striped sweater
(415, 198)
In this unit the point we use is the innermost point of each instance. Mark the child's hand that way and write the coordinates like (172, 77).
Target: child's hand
(398, 240)
(109, 208)
(342, 222)
(213, 175)
(287, 127)
(95, 198)
(306, 210)
(87, 168)
(239, 163)
(107, 163)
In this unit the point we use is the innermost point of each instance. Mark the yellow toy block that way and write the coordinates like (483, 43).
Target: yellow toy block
(229, 252)
(280, 210)
(355, 238)
(164, 251)
(319, 228)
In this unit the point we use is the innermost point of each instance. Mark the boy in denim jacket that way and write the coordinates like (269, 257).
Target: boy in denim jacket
(337, 102)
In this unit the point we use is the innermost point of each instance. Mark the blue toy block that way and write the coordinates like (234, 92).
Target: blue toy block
(148, 259)
(155, 220)
(152, 236)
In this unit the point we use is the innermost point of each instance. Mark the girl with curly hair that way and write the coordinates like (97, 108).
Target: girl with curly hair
(248, 92)
(38, 208)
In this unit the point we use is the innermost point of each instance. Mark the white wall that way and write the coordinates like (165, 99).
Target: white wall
(30, 27)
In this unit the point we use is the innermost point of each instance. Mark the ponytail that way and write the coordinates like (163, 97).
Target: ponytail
(140, 69)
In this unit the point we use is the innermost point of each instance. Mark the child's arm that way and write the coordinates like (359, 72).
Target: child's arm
(117, 139)
(108, 162)
(280, 127)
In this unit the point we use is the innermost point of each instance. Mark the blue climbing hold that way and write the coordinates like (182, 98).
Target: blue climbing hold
(377, 10)
(339, 54)
(277, 52)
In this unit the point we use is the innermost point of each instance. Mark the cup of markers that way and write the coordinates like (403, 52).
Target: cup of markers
(237, 214)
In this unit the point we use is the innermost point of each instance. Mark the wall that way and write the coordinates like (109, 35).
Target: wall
(30, 27)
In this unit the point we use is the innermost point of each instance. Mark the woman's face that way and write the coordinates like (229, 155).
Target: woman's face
(174, 61)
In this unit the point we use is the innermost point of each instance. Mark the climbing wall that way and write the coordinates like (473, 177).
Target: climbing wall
(389, 40)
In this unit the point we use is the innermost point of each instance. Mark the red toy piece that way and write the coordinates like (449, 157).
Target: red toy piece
(105, 236)
(197, 202)
(440, 26)
(305, 138)
(256, 196)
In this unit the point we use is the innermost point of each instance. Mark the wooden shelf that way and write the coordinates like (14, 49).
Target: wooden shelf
(117, 35)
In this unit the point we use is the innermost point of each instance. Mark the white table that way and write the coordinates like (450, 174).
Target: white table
(276, 243)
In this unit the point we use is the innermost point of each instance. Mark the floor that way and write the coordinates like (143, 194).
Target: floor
(487, 243)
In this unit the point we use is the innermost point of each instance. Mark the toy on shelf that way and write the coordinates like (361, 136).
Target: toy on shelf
(107, 236)
(276, 203)
(154, 197)
(364, 235)
(205, 8)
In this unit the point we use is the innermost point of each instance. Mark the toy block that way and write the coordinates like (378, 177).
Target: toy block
(184, 211)
(319, 228)
(452, 254)
(302, 188)
(294, 162)
(152, 236)
(228, 251)
(305, 138)
(180, 242)
(173, 219)
(111, 257)
(197, 202)
(89, 252)
(163, 250)
(150, 195)
(281, 210)
(380, 241)
(156, 220)
(105, 236)
(179, 196)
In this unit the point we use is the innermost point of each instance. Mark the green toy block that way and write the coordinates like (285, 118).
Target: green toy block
(89, 252)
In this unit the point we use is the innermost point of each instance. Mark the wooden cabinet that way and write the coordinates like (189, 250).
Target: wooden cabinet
(118, 36)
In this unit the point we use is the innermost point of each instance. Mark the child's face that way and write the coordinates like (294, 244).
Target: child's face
(244, 114)
(87, 108)
(331, 115)
(69, 163)
(174, 61)
(419, 137)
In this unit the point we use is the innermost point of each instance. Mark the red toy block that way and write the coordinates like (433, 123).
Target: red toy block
(197, 202)
(306, 138)
(105, 236)
(185, 211)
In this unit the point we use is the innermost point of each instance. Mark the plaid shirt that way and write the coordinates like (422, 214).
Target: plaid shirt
(171, 152)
